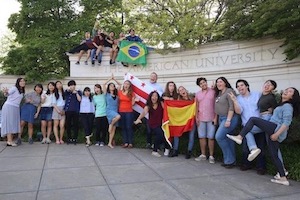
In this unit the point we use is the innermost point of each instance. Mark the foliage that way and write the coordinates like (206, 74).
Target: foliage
(187, 23)
(46, 29)
(259, 18)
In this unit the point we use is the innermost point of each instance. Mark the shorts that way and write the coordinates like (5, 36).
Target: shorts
(46, 113)
(56, 115)
(206, 130)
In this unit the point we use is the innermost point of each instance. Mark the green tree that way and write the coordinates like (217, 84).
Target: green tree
(259, 18)
(168, 22)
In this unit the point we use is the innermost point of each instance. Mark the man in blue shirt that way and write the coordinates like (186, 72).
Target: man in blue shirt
(245, 104)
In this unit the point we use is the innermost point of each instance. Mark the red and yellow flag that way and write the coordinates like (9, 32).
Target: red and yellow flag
(178, 118)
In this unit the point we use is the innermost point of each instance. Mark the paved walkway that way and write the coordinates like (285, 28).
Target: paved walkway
(61, 172)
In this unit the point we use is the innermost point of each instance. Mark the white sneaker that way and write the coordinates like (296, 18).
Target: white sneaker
(234, 138)
(282, 182)
(154, 153)
(211, 160)
(48, 141)
(44, 141)
(277, 176)
(201, 157)
(167, 151)
(253, 154)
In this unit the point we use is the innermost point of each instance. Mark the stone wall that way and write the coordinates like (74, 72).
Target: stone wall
(254, 60)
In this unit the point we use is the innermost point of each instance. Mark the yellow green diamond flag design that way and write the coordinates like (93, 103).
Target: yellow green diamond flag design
(132, 52)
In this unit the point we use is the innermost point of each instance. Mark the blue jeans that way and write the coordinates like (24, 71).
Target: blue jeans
(126, 125)
(227, 145)
(93, 55)
(250, 136)
(191, 139)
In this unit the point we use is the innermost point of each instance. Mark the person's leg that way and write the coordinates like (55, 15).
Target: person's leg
(80, 55)
(192, 137)
(129, 124)
(49, 130)
(93, 54)
(55, 130)
(123, 126)
(104, 129)
(98, 128)
(43, 129)
(62, 129)
(30, 130)
(100, 53)
(115, 53)
(85, 123)
(69, 126)
(261, 158)
(75, 125)
(227, 146)
(211, 129)
(22, 125)
(202, 135)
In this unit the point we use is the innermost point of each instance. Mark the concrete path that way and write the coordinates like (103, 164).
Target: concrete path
(43, 172)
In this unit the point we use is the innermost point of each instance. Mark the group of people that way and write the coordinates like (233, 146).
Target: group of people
(102, 41)
(218, 111)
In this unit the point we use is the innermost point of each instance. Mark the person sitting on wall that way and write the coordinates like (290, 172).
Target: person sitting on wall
(85, 46)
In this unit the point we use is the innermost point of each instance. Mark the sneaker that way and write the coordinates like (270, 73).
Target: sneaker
(30, 141)
(234, 138)
(110, 61)
(48, 141)
(279, 181)
(86, 62)
(43, 141)
(101, 144)
(156, 154)
(253, 154)
(97, 143)
(277, 176)
(201, 157)
(211, 160)
(19, 141)
(93, 62)
(77, 63)
(148, 146)
(188, 155)
(167, 151)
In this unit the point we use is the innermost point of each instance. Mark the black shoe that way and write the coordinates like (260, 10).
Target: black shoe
(228, 166)
(124, 64)
(77, 63)
(188, 155)
(93, 62)
(110, 61)
(245, 167)
(173, 153)
(74, 141)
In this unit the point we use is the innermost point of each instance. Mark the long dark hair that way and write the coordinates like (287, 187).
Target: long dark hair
(167, 92)
(56, 92)
(20, 89)
(149, 101)
(227, 84)
(295, 102)
(53, 84)
(115, 93)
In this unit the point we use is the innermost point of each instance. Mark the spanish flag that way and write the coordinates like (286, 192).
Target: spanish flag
(178, 118)
(132, 52)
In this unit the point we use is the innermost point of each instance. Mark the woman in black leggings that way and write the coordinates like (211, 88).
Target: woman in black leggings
(276, 128)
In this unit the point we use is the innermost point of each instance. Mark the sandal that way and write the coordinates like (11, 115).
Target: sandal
(125, 145)
(130, 146)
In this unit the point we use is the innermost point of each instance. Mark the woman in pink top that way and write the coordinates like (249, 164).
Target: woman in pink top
(205, 119)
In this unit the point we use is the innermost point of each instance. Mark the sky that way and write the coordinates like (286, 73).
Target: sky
(7, 7)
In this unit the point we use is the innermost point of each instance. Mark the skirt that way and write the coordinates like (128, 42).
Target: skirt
(56, 115)
(10, 120)
(46, 113)
(111, 114)
(27, 113)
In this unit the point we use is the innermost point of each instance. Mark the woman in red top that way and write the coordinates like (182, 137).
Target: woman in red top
(155, 109)
(126, 101)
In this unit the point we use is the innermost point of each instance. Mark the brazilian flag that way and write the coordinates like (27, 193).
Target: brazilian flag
(132, 52)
